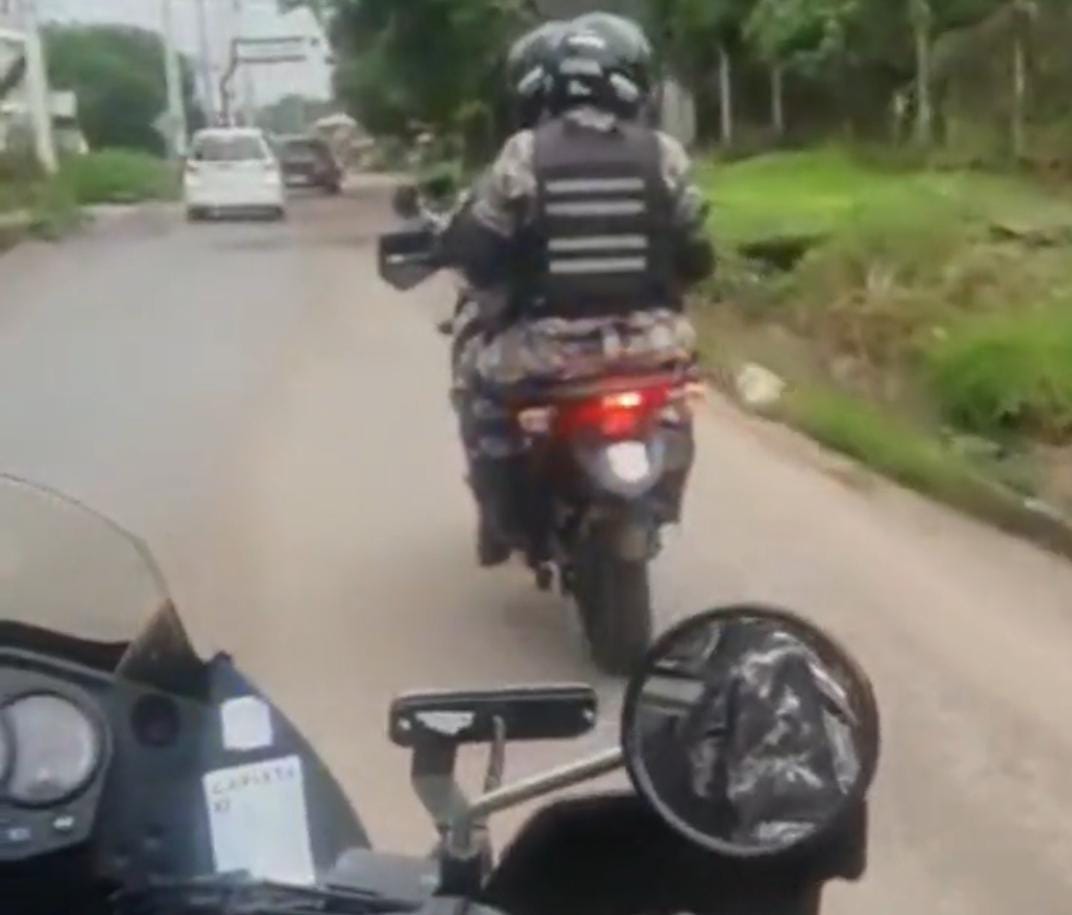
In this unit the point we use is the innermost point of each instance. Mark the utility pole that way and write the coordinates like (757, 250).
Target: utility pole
(249, 104)
(38, 97)
(176, 127)
(208, 84)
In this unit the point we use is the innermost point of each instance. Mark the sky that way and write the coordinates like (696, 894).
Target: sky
(258, 18)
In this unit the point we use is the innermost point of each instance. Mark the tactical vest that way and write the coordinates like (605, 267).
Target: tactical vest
(601, 242)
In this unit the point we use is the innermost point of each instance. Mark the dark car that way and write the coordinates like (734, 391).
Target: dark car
(309, 161)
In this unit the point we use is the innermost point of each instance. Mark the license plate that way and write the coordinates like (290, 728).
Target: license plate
(629, 461)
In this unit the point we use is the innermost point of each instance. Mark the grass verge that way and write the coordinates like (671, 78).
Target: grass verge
(118, 176)
(1009, 374)
(902, 452)
(925, 329)
(52, 205)
(820, 191)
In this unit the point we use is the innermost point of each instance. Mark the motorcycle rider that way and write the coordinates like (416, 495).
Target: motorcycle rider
(579, 244)
(527, 73)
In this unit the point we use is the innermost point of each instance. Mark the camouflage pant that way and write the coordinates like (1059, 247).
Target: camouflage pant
(553, 350)
(558, 350)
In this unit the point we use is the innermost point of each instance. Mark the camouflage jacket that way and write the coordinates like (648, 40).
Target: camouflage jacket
(503, 201)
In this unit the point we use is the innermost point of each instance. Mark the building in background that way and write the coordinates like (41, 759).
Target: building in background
(16, 128)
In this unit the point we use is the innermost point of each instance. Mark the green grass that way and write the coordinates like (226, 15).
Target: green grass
(894, 447)
(54, 212)
(926, 331)
(1011, 373)
(821, 191)
(119, 176)
(108, 176)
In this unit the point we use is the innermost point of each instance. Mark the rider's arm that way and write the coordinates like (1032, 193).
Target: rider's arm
(695, 254)
(480, 240)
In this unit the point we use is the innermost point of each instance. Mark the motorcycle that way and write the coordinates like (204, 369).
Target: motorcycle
(599, 467)
(137, 777)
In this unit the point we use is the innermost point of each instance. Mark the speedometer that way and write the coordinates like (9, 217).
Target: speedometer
(57, 748)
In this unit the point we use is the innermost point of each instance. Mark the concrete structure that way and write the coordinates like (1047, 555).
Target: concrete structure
(63, 109)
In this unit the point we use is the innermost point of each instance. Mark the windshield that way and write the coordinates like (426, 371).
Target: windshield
(68, 569)
(223, 148)
(303, 150)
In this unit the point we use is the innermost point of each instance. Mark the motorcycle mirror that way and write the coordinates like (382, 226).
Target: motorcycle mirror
(406, 201)
(751, 731)
(407, 258)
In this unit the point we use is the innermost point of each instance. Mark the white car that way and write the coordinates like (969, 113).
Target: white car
(232, 170)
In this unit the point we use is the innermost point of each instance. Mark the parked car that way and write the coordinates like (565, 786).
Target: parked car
(232, 170)
(308, 160)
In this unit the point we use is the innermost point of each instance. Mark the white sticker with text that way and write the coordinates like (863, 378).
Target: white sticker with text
(259, 823)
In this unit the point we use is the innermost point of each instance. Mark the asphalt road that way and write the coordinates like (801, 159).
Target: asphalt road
(274, 421)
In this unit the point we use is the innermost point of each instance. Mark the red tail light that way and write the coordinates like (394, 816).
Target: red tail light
(623, 414)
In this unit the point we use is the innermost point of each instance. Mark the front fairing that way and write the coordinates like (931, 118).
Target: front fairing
(159, 816)
(85, 614)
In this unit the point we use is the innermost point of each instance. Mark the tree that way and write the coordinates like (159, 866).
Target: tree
(420, 61)
(700, 36)
(800, 35)
(922, 18)
(117, 74)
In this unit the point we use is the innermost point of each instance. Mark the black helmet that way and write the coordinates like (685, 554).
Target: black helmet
(528, 70)
(602, 60)
(627, 42)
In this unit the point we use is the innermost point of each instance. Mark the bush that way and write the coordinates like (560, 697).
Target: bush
(19, 175)
(19, 167)
(54, 212)
(876, 288)
(1010, 373)
(119, 176)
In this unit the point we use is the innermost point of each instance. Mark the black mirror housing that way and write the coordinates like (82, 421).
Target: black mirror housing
(752, 733)
(407, 258)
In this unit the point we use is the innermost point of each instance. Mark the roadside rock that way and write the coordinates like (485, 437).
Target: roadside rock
(976, 447)
(759, 388)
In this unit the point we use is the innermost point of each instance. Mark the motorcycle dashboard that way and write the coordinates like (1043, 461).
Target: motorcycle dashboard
(56, 744)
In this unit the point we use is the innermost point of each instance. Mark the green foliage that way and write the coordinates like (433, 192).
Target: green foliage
(893, 446)
(797, 193)
(423, 60)
(830, 189)
(118, 176)
(18, 167)
(1009, 373)
(803, 34)
(927, 333)
(54, 212)
(20, 177)
(117, 73)
(691, 32)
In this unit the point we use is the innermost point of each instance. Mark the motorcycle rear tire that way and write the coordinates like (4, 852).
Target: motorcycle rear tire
(614, 598)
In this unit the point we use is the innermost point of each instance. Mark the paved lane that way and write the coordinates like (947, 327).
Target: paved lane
(274, 421)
